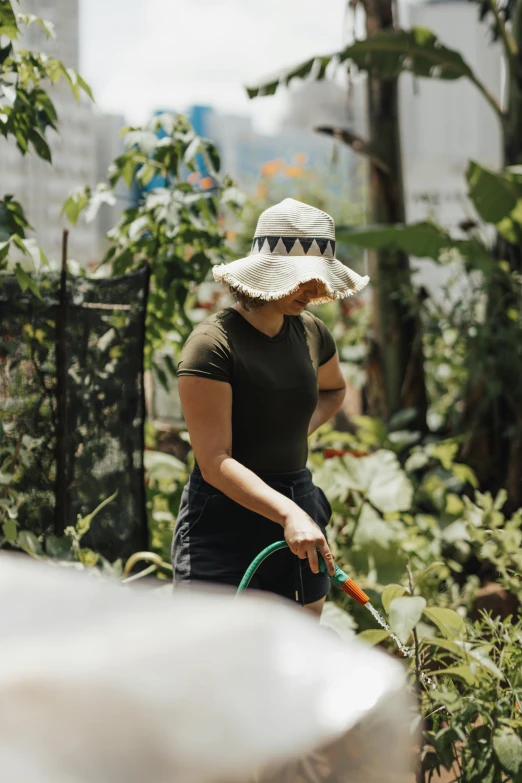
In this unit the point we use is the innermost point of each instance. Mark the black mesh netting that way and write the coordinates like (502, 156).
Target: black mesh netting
(72, 406)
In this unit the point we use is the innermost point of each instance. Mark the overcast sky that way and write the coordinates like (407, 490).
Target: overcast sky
(140, 55)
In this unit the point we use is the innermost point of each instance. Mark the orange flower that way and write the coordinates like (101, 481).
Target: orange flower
(193, 177)
(206, 183)
(271, 167)
(293, 171)
(331, 453)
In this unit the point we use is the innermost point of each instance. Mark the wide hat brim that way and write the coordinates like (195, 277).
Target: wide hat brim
(270, 277)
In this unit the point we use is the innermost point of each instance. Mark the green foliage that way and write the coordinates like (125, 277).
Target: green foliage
(26, 110)
(176, 227)
(472, 721)
(496, 539)
(397, 501)
(405, 613)
(165, 478)
(424, 240)
(67, 548)
(386, 54)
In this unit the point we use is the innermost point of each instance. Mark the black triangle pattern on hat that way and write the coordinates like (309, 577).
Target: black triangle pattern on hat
(288, 242)
(306, 243)
(322, 244)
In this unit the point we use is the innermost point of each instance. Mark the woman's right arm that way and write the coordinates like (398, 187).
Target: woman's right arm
(207, 407)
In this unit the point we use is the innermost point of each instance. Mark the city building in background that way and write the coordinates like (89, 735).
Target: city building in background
(444, 124)
(245, 152)
(81, 150)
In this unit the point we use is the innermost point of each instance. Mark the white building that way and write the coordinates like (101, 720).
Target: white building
(79, 150)
(444, 124)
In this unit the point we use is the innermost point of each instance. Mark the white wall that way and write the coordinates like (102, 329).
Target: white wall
(446, 123)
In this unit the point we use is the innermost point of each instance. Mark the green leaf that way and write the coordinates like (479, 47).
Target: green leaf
(493, 195)
(338, 620)
(8, 22)
(386, 54)
(75, 203)
(58, 547)
(163, 467)
(465, 651)
(22, 278)
(31, 248)
(445, 452)
(389, 593)
(442, 742)
(508, 749)
(449, 623)
(85, 87)
(25, 281)
(425, 239)
(373, 636)
(381, 478)
(33, 287)
(404, 615)
(128, 170)
(29, 542)
(88, 557)
(461, 672)
(40, 145)
(9, 529)
(373, 530)
(192, 150)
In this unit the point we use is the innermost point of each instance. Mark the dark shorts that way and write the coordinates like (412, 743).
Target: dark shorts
(216, 539)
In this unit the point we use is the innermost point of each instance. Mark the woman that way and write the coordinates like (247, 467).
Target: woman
(255, 380)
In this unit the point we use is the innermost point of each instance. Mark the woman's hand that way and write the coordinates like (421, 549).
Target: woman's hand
(305, 539)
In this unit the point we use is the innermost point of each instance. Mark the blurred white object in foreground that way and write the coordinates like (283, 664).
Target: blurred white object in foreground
(102, 684)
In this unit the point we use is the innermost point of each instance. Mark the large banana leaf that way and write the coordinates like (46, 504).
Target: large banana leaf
(386, 54)
(423, 240)
(494, 194)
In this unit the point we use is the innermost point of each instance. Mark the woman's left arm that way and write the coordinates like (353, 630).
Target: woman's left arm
(332, 388)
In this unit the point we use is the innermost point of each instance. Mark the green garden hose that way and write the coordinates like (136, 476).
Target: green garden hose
(340, 578)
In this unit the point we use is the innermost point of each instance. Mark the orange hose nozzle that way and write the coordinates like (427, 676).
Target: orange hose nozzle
(355, 592)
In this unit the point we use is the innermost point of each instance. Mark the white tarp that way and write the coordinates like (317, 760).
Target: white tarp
(105, 684)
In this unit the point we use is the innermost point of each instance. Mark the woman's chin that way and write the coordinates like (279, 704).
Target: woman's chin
(296, 308)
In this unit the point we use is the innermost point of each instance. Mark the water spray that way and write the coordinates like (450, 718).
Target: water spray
(343, 581)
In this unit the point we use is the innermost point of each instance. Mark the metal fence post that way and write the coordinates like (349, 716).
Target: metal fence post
(60, 519)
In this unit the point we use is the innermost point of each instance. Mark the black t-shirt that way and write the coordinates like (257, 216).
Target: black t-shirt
(273, 379)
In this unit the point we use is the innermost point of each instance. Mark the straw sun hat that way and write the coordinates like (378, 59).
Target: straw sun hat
(293, 244)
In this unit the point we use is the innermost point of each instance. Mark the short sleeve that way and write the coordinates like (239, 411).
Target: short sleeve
(327, 346)
(206, 354)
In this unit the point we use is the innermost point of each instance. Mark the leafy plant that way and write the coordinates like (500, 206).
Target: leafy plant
(490, 340)
(496, 539)
(27, 112)
(175, 226)
(468, 679)
(165, 478)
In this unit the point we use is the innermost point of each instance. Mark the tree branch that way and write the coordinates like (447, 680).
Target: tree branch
(356, 143)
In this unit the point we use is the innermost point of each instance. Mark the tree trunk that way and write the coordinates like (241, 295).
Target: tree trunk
(395, 365)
